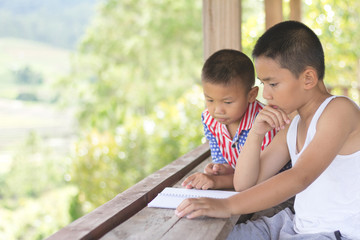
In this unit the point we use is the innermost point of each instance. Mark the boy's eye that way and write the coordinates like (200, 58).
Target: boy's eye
(227, 102)
(209, 100)
(273, 84)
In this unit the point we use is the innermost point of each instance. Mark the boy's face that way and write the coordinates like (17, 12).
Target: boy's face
(227, 103)
(281, 88)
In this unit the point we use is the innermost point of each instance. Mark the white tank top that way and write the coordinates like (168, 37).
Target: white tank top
(332, 201)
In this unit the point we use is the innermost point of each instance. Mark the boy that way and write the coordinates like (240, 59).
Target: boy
(228, 80)
(322, 141)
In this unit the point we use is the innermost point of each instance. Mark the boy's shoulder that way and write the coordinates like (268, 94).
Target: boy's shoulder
(343, 111)
(342, 104)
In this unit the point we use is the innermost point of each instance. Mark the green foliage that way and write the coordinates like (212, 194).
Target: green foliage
(107, 163)
(38, 218)
(135, 54)
(336, 24)
(34, 170)
(34, 197)
(75, 208)
(132, 82)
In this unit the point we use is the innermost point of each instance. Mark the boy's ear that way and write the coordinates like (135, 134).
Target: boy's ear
(253, 94)
(309, 78)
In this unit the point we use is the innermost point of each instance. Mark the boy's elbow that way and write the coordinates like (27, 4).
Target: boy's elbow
(239, 186)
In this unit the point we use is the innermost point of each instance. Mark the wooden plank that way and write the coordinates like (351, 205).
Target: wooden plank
(126, 204)
(156, 223)
(201, 228)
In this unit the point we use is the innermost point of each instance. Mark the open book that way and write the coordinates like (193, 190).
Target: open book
(171, 197)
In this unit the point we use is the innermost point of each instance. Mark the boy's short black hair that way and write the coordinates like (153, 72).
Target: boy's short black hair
(229, 66)
(294, 46)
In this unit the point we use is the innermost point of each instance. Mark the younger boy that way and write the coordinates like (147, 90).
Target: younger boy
(228, 80)
(322, 141)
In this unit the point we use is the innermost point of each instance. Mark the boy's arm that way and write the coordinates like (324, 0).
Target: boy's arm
(329, 141)
(254, 166)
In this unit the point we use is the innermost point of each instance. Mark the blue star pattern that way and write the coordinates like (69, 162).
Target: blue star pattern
(216, 154)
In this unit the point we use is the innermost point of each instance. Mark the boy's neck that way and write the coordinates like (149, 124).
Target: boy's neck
(315, 98)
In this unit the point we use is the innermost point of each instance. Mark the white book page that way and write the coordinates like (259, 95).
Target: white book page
(172, 197)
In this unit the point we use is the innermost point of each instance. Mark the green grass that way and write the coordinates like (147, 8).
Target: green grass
(16, 53)
(49, 62)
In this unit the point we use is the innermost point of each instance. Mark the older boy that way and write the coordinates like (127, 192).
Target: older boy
(289, 61)
(228, 80)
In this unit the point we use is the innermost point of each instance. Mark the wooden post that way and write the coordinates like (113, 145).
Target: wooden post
(295, 10)
(221, 25)
(273, 12)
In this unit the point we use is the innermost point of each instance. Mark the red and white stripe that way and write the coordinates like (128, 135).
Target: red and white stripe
(222, 135)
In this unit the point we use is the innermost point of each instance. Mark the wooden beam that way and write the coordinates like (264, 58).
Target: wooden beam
(295, 10)
(273, 12)
(221, 25)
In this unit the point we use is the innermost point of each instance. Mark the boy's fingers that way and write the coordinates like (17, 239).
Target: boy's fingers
(187, 206)
(196, 214)
(188, 180)
(181, 209)
(276, 117)
(266, 117)
(217, 167)
(209, 168)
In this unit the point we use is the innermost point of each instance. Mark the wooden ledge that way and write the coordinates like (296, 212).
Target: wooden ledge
(106, 217)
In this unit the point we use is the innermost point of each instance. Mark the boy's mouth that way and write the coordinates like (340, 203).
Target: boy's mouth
(221, 120)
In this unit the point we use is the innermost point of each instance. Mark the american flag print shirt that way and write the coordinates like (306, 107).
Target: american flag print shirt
(223, 148)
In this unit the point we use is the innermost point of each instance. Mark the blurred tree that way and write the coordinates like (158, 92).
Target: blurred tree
(133, 81)
(336, 24)
(26, 75)
(34, 170)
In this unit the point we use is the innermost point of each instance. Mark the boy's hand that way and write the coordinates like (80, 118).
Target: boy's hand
(270, 117)
(199, 181)
(195, 207)
(218, 169)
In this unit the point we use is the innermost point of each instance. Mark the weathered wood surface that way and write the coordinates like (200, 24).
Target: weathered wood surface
(156, 223)
(106, 217)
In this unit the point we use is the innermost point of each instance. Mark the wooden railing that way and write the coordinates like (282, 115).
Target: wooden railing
(110, 215)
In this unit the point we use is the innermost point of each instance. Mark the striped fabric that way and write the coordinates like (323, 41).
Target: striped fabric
(219, 137)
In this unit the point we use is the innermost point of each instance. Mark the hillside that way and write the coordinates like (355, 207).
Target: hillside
(56, 22)
(51, 62)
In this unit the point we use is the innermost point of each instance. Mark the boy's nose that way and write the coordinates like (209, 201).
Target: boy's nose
(266, 93)
(219, 109)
